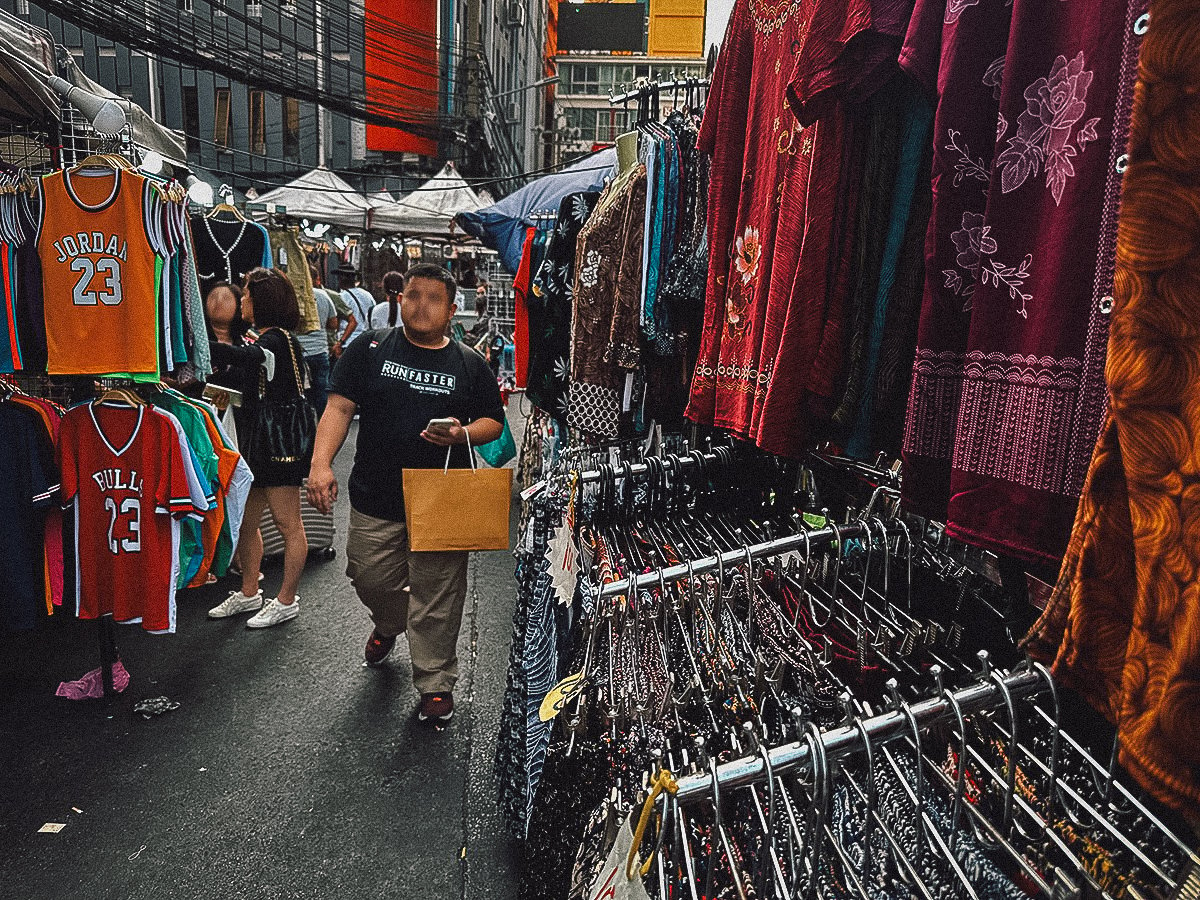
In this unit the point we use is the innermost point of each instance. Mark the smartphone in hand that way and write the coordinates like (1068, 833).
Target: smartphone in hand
(440, 426)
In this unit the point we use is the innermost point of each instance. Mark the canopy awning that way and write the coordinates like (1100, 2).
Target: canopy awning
(323, 196)
(27, 63)
(429, 209)
(502, 225)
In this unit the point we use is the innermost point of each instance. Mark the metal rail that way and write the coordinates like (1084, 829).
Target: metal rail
(846, 740)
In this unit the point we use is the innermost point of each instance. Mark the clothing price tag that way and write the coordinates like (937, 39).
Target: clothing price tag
(564, 557)
(560, 695)
(533, 490)
(611, 883)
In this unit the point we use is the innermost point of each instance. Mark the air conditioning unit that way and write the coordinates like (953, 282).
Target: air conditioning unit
(516, 14)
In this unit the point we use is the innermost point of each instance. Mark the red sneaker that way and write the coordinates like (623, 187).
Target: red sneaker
(436, 707)
(378, 648)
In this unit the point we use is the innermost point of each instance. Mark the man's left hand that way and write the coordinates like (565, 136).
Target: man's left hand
(455, 434)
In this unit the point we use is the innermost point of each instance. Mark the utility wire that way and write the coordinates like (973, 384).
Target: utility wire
(118, 21)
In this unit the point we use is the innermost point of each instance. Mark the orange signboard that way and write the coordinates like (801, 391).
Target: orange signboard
(403, 73)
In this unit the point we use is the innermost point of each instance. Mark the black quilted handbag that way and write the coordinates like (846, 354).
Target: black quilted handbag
(285, 429)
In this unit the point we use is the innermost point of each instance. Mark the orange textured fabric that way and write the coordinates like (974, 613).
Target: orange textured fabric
(1123, 624)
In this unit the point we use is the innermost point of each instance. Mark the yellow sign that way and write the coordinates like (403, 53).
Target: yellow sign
(676, 28)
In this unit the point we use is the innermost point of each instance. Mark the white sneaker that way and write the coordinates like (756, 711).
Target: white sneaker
(273, 613)
(235, 603)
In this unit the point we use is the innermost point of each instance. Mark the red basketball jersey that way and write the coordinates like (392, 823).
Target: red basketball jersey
(124, 469)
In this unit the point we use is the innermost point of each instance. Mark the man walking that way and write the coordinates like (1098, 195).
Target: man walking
(398, 380)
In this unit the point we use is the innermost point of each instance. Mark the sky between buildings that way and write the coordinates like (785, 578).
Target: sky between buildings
(717, 19)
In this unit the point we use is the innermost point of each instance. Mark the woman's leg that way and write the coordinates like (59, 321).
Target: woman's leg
(285, 507)
(250, 545)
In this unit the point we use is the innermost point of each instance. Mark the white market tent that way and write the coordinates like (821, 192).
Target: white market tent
(322, 196)
(429, 209)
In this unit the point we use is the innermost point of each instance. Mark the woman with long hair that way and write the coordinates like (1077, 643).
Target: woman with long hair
(270, 304)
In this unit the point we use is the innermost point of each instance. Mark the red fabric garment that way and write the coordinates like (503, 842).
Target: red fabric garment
(1008, 390)
(781, 194)
(125, 472)
(521, 289)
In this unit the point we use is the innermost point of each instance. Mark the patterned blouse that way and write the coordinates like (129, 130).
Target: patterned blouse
(608, 279)
(1008, 391)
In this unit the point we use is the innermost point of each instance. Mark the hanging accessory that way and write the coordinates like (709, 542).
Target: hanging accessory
(226, 252)
(284, 430)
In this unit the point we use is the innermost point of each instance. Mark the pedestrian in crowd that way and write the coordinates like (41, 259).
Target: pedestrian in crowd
(223, 313)
(277, 361)
(397, 381)
(228, 327)
(359, 300)
(387, 313)
(333, 311)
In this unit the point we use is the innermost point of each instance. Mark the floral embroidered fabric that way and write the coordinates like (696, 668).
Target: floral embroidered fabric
(781, 201)
(1008, 386)
(605, 341)
(1123, 621)
(549, 303)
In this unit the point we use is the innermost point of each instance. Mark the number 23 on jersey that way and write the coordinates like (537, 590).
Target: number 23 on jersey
(99, 272)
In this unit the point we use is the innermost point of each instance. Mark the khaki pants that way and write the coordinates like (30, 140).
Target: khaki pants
(421, 593)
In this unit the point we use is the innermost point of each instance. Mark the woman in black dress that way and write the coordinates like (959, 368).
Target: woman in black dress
(269, 302)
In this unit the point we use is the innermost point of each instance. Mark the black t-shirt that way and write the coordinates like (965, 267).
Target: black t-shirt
(398, 388)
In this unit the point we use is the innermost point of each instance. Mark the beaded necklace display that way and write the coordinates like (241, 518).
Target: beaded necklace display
(225, 253)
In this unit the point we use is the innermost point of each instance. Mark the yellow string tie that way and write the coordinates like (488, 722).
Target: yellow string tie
(665, 781)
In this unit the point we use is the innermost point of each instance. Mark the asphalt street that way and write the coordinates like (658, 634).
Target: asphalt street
(289, 769)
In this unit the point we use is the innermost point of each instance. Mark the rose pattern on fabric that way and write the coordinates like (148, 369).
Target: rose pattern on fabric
(590, 270)
(966, 166)
(1044, 130)
(955, 8)
(973, 241)
(749, 252)
(975, 247)
(735, 317)
(994, 76)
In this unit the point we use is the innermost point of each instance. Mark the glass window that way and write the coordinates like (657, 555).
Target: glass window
(221, 117)
(258, 122)
(291, 128)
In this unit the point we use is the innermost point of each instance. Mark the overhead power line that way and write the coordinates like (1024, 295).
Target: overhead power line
(159, 27)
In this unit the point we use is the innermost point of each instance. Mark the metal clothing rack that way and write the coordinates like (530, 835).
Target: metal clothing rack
(638, 469)
(650, 88)
(803, 540)
(846, 740)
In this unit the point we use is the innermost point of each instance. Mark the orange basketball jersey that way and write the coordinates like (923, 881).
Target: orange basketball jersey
(98, 273)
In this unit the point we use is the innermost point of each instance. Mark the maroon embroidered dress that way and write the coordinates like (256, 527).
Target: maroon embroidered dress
(1008, 390)
(779, 200)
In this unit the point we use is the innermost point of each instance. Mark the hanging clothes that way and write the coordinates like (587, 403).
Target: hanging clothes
(226, 249)
(549, 303)
(784, 183)
(100, 272)
(129, 473)
(605, 342)
(290, 256)
(1122, 623)
(876, 414)
(521, 315)
(1007, 399)
(30, 483)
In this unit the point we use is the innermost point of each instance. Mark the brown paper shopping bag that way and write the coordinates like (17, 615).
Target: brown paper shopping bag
(457, 509)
